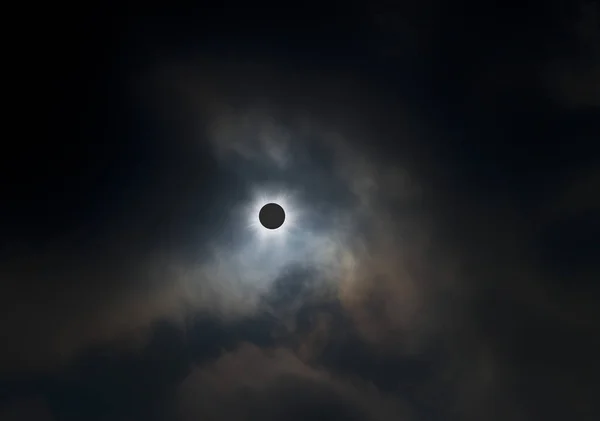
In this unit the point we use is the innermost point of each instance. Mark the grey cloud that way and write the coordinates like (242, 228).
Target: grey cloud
(255, 383)
(64, 302)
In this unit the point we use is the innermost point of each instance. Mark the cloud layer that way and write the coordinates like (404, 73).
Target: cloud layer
(416, 284)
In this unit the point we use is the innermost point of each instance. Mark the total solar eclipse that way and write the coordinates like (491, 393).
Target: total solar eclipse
(271, 216)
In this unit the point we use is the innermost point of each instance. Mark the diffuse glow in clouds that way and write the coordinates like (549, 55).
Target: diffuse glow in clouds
(333, 203)
(259, 256)
(340, 223)
(403, 282)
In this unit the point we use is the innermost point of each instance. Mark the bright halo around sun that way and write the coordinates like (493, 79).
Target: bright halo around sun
(283, 199)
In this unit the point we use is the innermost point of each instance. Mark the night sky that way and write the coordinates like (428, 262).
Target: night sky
(439, 167)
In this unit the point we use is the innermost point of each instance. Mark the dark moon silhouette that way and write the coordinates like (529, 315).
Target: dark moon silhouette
(271, 216)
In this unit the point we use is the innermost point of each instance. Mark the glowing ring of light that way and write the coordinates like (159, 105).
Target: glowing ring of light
(285, 200)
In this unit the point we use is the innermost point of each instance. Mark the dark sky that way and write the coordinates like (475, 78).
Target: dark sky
(439, 166)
